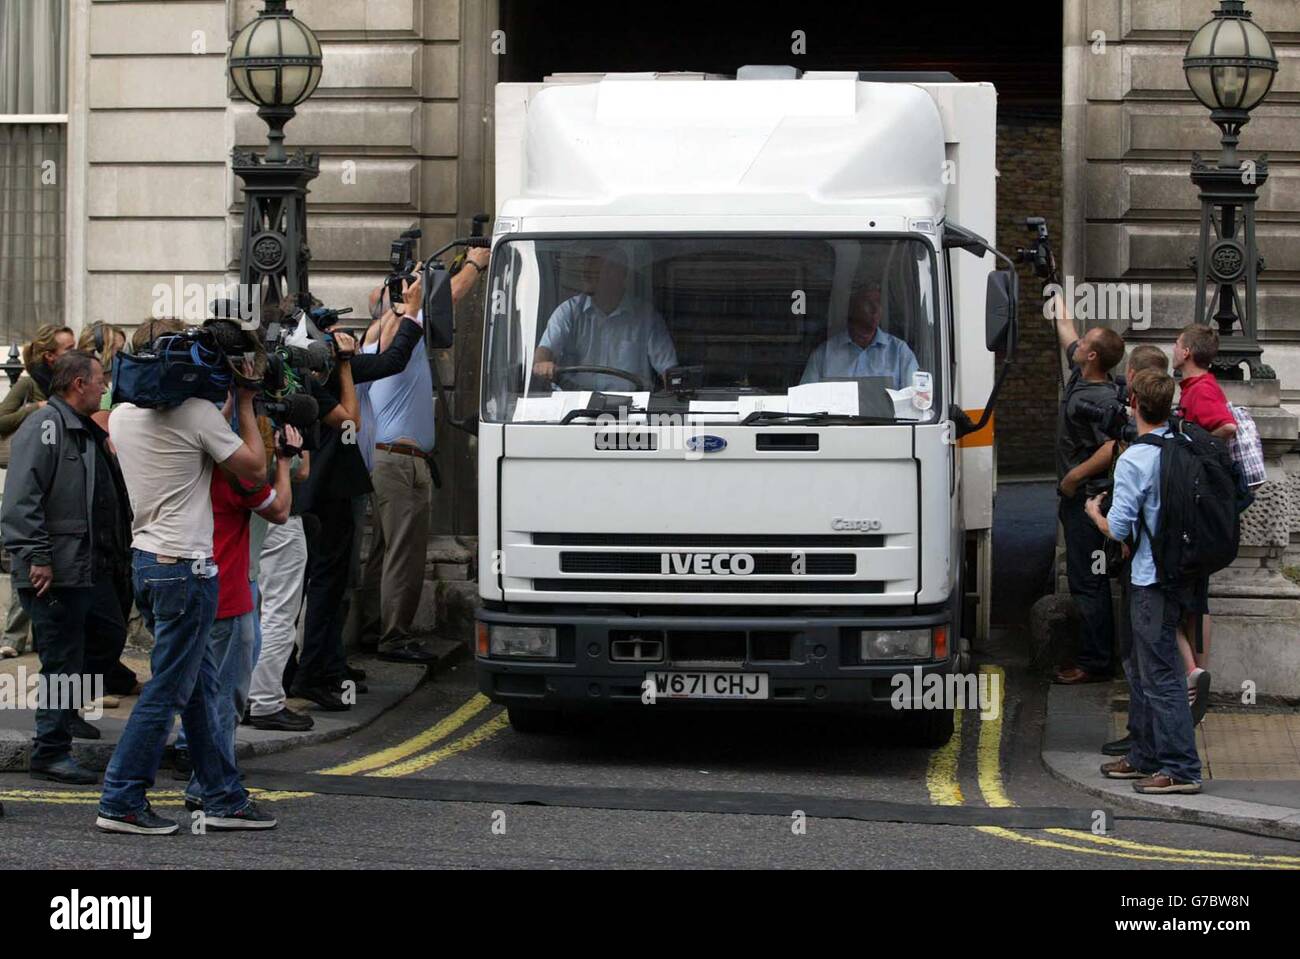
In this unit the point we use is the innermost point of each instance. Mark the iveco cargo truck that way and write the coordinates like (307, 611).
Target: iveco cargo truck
(735, 441)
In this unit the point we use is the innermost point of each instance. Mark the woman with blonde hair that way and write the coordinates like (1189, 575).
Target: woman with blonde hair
(103, 341)
(24, 398)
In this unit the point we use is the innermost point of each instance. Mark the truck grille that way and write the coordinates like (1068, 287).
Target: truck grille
(765, 564)
(711, 541)
(719, 584)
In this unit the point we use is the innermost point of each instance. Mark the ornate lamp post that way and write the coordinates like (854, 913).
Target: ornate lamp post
(1230, 66)
(275, 62)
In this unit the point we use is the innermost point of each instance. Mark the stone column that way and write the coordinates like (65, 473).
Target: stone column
(1255, 635)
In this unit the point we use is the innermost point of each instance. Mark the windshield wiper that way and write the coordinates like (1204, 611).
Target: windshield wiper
(824, 417)
(596, 412)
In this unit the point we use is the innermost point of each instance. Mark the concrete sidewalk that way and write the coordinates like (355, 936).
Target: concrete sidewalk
(388, 683)
(1250, 755)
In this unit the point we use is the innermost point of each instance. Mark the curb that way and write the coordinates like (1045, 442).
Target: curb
(1078, 721)
(390, 684)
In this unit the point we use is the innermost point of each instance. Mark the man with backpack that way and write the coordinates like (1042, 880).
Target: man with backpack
(1162, 758)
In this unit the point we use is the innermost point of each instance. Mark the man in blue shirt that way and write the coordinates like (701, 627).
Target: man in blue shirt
(397, 435)
(1163, 756)
(606, 327)
(863, 349)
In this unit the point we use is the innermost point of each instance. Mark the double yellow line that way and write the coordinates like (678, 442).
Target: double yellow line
(943, 783)
(409, 757)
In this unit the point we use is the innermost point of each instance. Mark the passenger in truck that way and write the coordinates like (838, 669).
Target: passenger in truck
(606, 326)
(863, 349)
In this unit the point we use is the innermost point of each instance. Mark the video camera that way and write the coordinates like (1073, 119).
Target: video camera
(205, 362)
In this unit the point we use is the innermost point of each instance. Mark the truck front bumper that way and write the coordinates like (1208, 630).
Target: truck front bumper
(811, 662)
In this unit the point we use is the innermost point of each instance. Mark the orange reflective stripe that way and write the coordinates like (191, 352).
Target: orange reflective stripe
(982, 437)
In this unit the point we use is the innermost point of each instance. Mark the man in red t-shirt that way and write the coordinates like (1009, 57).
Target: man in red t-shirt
(234, 638)
(1200, 401)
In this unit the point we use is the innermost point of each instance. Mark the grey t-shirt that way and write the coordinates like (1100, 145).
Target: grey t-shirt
(1077, 435)
(167, 458)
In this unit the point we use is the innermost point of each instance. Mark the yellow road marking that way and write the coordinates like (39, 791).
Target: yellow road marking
(991, 787)
(941, 775)
(988, 754)
(441, 730)
(468, 741)
(159, 798)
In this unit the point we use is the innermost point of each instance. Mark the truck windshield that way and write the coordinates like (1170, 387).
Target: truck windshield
(722, 327)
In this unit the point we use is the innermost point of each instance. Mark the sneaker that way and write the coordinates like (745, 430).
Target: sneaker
(8, 652)
(182, 767)
(81, 729)
(1198, 693)
(1163, 783)
(193, 805)
(1117, 747)
(142, 823)
(1121, 769)
(250, 817)
(285, 720)
(65, 770)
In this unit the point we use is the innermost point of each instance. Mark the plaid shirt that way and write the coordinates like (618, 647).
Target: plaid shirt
(1246, 448)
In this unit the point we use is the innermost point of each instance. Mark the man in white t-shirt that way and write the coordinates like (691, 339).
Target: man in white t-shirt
(167, 458)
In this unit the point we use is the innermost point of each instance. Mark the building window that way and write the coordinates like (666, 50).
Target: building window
(33, 152)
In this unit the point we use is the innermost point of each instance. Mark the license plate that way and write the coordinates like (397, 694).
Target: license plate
(709, 685)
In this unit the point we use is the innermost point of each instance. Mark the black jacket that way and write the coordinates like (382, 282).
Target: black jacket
(338, 471)
(48, 510)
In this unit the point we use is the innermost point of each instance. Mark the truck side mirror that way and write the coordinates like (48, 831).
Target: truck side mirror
(439, 315)
(1000, 307)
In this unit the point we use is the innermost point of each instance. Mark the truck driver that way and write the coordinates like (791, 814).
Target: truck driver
(863, 349)
(606, 326)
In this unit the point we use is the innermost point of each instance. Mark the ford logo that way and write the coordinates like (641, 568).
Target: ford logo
(706, 444)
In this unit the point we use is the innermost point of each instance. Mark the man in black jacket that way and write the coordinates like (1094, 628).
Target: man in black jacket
(66, 520)
(327, 500)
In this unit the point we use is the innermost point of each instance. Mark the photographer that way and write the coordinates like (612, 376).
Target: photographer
(399, 451)
(1079, 437)
(167, 456)
(330, 497)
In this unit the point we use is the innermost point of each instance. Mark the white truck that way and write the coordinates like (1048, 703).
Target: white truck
(736, 336)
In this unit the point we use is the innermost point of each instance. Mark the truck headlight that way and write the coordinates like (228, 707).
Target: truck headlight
(895, 644)
(528, 642)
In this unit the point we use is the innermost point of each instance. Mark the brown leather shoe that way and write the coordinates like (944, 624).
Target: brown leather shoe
(1074, 676)
(1160, 783)
(1121, 769)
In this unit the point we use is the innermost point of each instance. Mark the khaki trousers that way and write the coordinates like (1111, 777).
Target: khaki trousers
(394, 571)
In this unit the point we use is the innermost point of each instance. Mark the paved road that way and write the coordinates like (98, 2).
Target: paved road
(446, 732)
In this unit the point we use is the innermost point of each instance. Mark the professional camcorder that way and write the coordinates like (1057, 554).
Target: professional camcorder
(205, 362)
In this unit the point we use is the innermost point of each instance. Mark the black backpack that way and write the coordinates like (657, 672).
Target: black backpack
(1202, 496)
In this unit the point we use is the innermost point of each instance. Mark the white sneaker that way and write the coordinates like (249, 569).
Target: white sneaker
(8, 652)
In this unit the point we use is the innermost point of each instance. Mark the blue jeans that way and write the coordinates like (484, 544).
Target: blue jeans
(235, 643)
(1160, 720)
(178, 603)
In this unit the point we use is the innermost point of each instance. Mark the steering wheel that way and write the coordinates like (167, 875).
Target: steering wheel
(638, 385)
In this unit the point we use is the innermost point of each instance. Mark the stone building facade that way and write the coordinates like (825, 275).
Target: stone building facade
(1096, 134)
